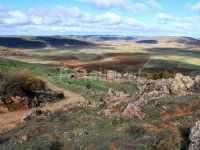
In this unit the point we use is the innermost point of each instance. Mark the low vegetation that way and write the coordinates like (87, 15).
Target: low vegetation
(156, 122)
(160, 75)
(22, 89)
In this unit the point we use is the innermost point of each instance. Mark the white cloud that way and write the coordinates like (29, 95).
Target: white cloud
(61, 20)
(37, 20)
(154, 4)
(71, 20)
(196, 6)
(107, 3)
(15, 17)
(183, 25)
(164, 17)
(178, 25)
(127, 5)
(110, 18)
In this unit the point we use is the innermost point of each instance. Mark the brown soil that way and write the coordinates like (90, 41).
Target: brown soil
(113, 62)
(181, 110)
(11, 119)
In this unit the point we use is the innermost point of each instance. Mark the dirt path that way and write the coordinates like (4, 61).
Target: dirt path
(71, 98)
(11, 119)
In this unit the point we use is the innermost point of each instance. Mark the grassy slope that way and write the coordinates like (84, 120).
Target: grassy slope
(86, 129)
(52, 73)
(83, 128)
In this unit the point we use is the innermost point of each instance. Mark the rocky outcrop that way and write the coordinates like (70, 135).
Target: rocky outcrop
(179, 86)
(152, 89)
(195, 137)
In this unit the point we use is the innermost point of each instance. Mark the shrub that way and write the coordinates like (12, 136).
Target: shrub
(185, 133)
(136, 131)
(22, 90)
(55, 145)
(3, 140)
(20, 83)
(161, 75)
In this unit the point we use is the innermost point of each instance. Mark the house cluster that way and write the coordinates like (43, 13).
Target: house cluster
(108, 75)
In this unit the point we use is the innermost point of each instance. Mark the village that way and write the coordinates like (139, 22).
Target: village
(103, 74)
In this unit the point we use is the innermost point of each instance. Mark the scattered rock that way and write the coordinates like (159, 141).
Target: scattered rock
(24, 138)
(133, 110)
(35, 114)
(3, 109)
(197, 82)
(195, 137)
(179, 86)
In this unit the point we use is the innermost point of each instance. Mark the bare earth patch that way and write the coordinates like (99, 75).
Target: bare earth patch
(11, 119)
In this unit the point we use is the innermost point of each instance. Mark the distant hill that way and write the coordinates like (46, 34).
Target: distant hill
(147, 42)
(108, 37)
(62, 42)
(42, 42)
(189, 41)
(18, 42)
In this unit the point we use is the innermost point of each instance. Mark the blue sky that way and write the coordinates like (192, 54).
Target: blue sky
(102, 17)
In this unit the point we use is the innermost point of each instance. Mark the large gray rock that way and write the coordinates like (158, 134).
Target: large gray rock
(195, 137)
(179, 86)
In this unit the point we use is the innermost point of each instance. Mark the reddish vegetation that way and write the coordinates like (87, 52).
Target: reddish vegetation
(119, 64)
(108, 55)
(152, 127)
(181, 110)
(130, 61)
(72, 63)
(18, 102)
(63, 58)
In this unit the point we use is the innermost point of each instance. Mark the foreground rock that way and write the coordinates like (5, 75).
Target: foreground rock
(35, 114)
(133, 110)
(153, 89)
(195, 137)
(179, 86)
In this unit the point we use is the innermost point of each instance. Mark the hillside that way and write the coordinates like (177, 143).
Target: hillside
(18, 42)
(42, 42)
(121, 93)
(122, 115)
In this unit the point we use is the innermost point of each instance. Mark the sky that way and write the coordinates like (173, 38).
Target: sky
(100, 17)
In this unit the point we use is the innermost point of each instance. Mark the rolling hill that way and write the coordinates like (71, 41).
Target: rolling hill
(42, 42)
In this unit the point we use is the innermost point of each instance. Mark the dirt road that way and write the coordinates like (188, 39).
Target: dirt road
(11, 119)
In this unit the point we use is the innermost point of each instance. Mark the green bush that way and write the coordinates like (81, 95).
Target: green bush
(161, 75)
(20, 84)
(136, 131)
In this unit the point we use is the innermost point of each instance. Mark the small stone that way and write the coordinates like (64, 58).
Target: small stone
(35, 114)
(133, 110)
(3, 109)
(24, 138)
